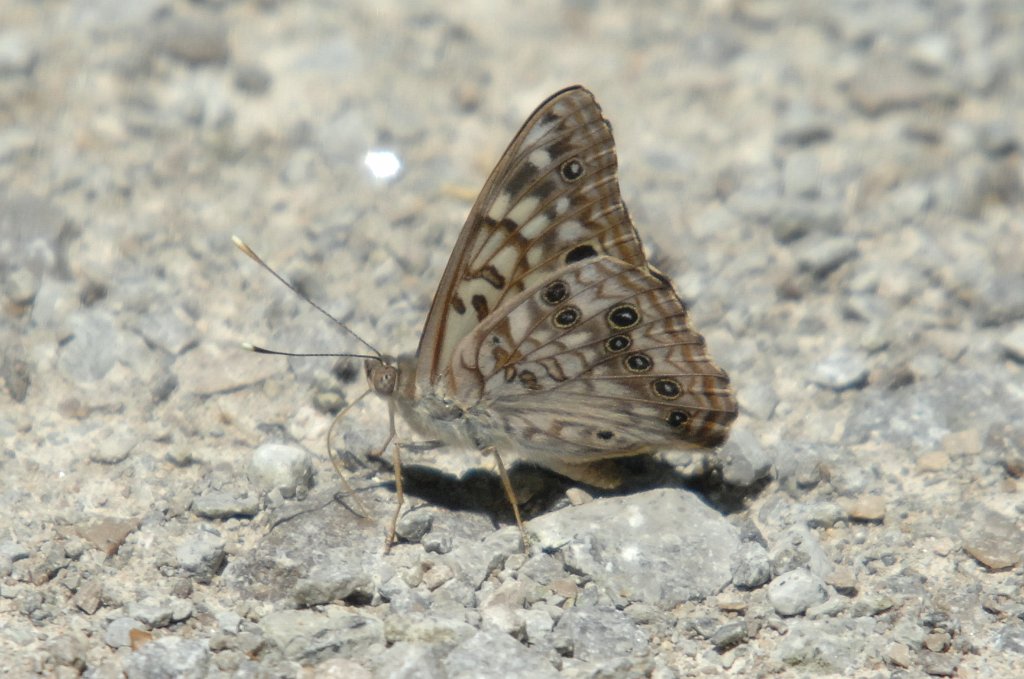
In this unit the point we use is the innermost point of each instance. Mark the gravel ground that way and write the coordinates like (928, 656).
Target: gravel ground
(835, 187)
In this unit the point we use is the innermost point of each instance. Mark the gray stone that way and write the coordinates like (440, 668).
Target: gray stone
(820, 256)
(921, 414)
(152, 612)
(13, 551)
(114, 448)
(794, 592)
(21, 286)
(824, 647)
(842, 369)
(118, 632)
(313, 636)
(597, 635)
(992, 539)
(318, 540)
(169, 657)
(226, 504)
(69, 650)
(661, 547)
(109, 16)
(752, 568)
(998, 298)
(30, 233)
(196, 39)
(729, 635)
(493, 653)
(93, 348)
(201, 555)
(16, 374)
(801, 175)
(1011, 638)
(542, 568)
(887, 83)
(938, 664)
(801, 126)
(427, 628)
(18, 56)
(169, 328)
(338, 579)
(537, 626)
(280, 466)
(798, 548)
(998, 138)
(252, 78)
(759, 399)
(405, 660)
(792, 219)
(744, 460)
(1013, 343)
(414, 525)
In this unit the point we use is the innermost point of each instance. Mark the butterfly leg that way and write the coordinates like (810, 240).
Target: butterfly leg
(510, 494)
(396, 461)
(360, 509)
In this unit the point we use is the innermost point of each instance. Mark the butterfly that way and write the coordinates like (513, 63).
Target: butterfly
(551, 336)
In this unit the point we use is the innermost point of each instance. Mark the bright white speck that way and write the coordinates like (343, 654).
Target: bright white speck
(382, 164)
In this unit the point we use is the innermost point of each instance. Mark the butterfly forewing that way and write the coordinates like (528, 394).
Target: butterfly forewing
(552, 200)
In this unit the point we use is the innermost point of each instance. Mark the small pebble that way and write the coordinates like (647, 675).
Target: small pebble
(867, 508)
(794, 592)
(280, 466)
(933, 462)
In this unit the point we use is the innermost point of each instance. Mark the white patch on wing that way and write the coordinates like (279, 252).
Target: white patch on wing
(504, 261)
(519, 323)
(495, 241)
(499, 207)
(534, 227)
(524, 209)
(539, 158)
(537, 133)
(562, 205)
(572, 231)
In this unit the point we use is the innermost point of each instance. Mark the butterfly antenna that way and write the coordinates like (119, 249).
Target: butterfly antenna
(240, 244)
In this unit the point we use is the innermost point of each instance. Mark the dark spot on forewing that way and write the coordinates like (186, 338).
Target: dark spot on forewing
(480, 306)
(458, 305)
(491, 274)
(521, 178)
(579, 253)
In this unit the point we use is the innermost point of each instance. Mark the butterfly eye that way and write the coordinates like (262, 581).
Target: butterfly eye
(571, 170)
(567, 317)
(638, 363)
(677, 418)
(623, 317)
(668, 389)
(555, 293)
(617, 343)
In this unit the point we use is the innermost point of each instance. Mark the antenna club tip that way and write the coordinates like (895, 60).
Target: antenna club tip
(240, 244)
(247, 346)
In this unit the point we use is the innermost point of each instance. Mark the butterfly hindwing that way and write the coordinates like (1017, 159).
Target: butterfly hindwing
(598, 360)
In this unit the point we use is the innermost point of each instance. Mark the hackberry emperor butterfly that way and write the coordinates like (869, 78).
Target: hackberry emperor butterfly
(550, 334)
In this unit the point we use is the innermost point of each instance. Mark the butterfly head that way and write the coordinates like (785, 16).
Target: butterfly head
(382, 374)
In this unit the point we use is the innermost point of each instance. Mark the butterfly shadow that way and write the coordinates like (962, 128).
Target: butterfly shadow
(541, 491)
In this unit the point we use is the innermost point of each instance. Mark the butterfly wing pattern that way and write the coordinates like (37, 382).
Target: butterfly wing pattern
(550, 335)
